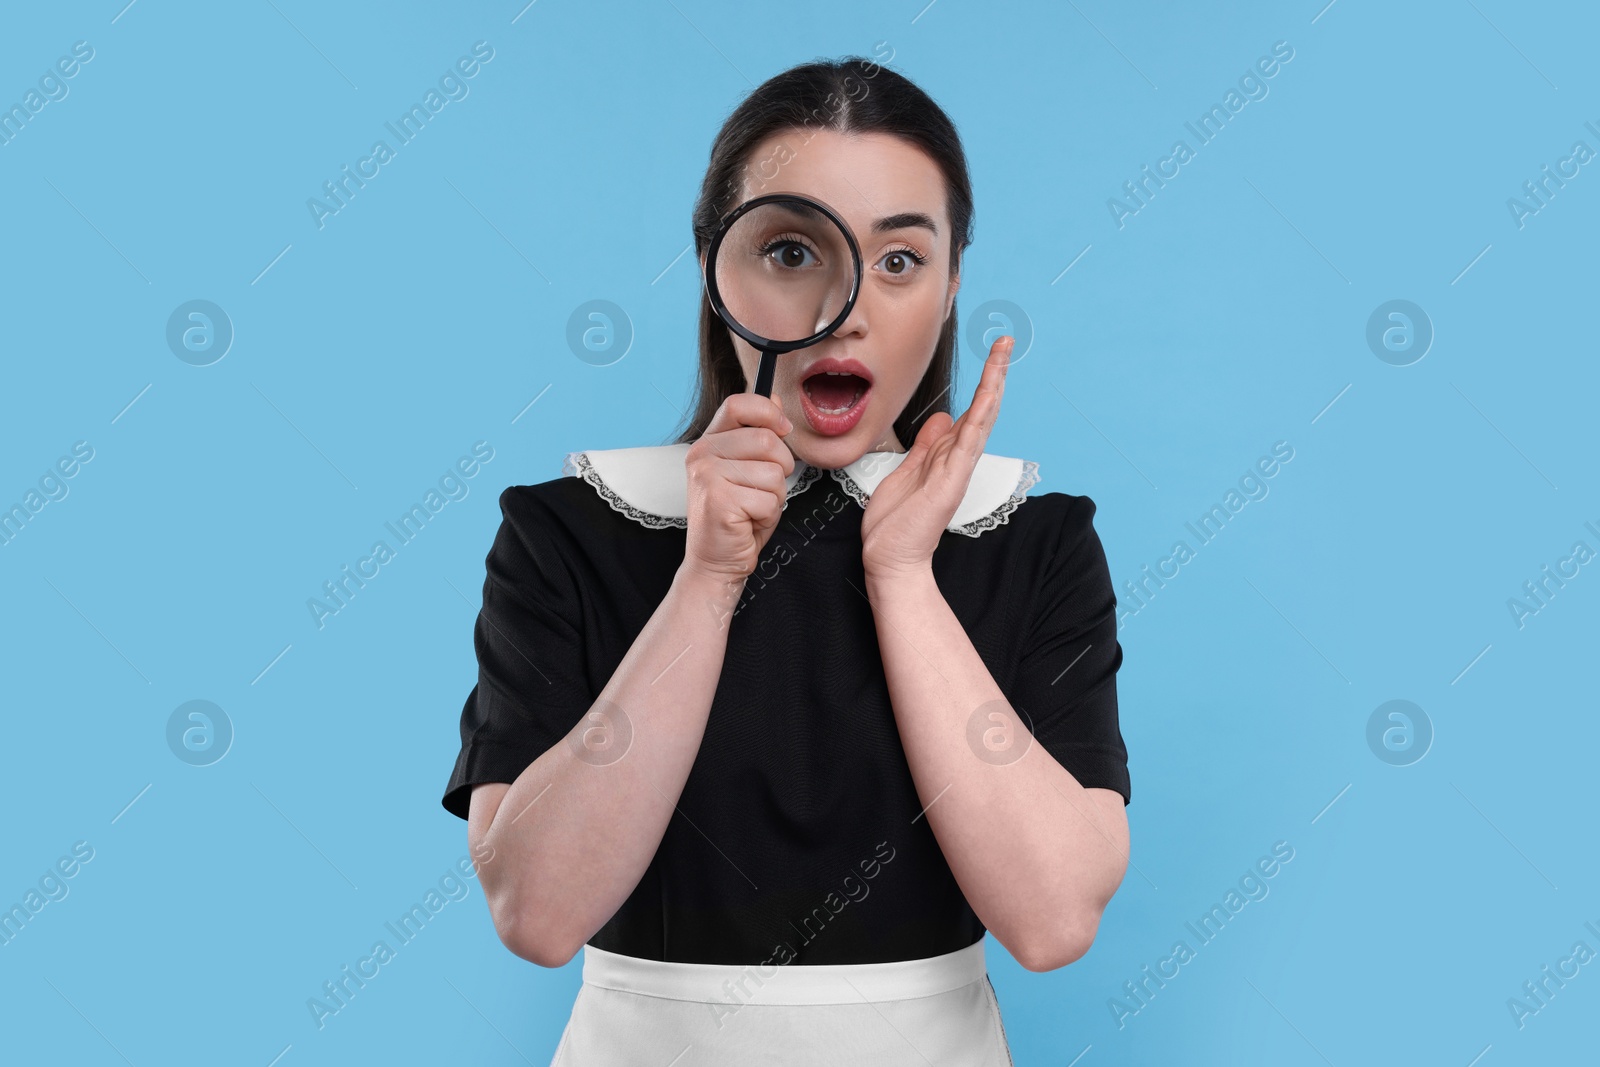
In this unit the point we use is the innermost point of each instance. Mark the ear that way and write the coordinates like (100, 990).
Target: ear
(955, 284)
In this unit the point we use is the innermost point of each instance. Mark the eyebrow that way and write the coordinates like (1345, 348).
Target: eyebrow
(905, 219)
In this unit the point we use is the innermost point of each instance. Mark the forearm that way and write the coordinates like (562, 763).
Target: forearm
(575, 832)
(1029, 848)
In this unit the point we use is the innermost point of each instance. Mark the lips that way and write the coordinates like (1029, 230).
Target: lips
(834, 394)
(848, 366)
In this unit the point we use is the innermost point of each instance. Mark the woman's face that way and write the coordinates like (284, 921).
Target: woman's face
(892, 196)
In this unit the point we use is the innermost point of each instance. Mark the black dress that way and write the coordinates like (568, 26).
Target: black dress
(797, 831)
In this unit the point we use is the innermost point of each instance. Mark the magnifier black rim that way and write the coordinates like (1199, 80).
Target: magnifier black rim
(767, 344)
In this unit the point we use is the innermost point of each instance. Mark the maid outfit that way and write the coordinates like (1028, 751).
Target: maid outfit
(798, 909)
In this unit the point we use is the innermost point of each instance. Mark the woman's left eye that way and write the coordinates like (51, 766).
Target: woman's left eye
(901, 261)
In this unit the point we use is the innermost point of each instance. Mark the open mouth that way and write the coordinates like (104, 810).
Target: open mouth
(835, 392)
(834, 398)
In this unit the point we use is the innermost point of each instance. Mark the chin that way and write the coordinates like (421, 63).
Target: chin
(821, 450)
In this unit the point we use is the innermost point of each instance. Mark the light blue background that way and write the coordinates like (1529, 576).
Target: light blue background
(1228, 314)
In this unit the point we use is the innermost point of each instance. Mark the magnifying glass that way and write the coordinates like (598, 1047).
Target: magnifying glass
(783, 271)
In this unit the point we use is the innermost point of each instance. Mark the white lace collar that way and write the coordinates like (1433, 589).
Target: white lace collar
(648, 484)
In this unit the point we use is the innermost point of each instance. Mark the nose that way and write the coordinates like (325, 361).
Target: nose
(855, 324)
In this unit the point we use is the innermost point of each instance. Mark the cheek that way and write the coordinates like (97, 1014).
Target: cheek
(917, 322)
(748, 357)
(921, 319)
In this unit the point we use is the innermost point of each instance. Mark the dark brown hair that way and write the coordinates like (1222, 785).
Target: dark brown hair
(850, 95)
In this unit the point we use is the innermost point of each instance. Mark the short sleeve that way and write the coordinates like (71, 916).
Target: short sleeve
(531, 688)
(1066, 682)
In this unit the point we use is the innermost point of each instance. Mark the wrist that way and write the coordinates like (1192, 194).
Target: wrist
(889, 579)
(718, 591)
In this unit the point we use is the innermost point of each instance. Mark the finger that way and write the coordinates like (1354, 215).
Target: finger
(749, 409)
(758, 505)
(934, 429)
(974, 433)
(1000, 352)
(752, 442)
(993, 374)
(754, 474)
(996, 367)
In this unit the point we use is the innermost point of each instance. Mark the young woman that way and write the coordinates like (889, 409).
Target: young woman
(775, 721)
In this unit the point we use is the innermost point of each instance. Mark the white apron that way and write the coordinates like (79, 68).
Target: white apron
(929, 1012)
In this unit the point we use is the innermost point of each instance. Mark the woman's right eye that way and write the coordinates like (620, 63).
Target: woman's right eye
(791, 255)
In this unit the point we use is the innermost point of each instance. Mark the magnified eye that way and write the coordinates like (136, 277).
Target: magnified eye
(791, 253)
(900, 261)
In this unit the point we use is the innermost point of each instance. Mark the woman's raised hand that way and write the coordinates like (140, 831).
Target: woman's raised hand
(911, 507)
(736, 472)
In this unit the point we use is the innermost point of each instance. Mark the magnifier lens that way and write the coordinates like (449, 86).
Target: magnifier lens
(784, 271)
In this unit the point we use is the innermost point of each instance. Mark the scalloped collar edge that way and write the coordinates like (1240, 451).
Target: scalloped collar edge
(648, 484)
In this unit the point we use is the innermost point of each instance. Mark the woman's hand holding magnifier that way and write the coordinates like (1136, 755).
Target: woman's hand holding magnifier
(911, 507)
(737, 471)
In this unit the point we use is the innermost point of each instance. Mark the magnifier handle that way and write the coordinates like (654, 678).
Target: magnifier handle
(769, 363)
